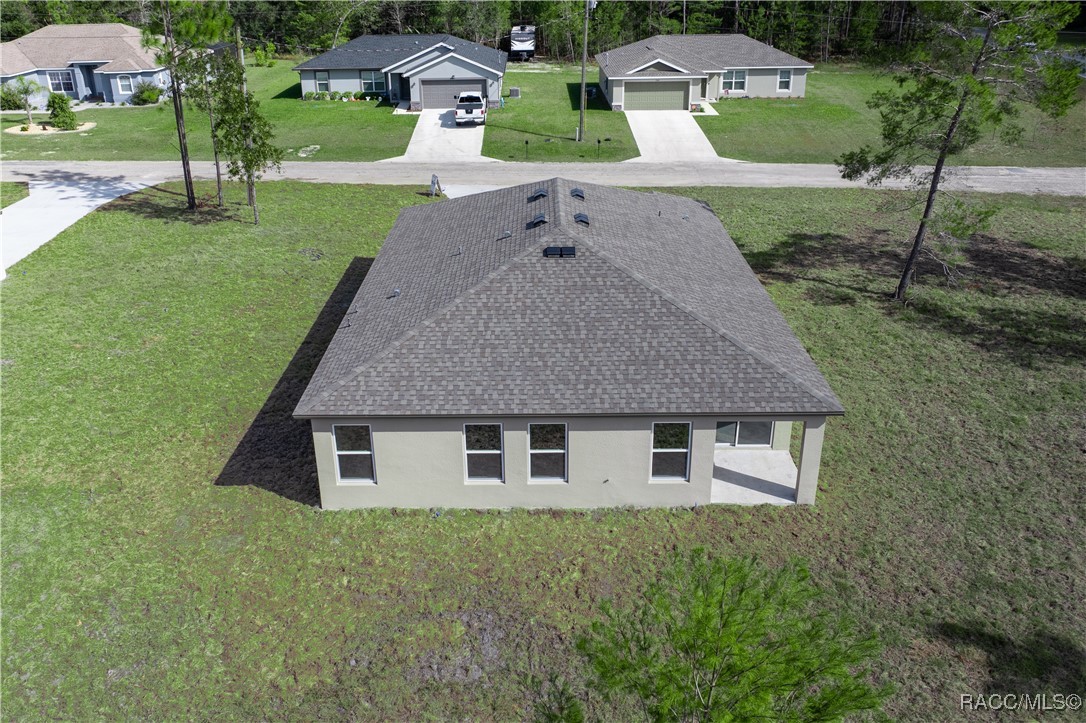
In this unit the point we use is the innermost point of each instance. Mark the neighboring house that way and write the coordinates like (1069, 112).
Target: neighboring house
(105, 60)
(557, 345)
(673, 72)
(425, 71)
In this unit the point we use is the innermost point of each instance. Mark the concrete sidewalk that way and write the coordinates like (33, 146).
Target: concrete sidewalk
(53, 205)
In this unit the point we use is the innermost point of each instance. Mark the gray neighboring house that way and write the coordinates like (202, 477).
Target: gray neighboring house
(104, 60)
(673, 72)
(425, 71)
(562, 345)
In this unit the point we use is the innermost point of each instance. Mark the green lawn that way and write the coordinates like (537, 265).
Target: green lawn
(143, 579)
(833, 118)
(546, 116)
(343, 131)
(12, 191)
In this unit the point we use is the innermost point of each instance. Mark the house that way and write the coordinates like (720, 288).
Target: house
(424, 71)
(673, 72)
(104, 60)
(560, 345)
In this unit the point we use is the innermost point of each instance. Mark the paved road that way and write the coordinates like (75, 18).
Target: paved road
(669, 135)
(988, 179)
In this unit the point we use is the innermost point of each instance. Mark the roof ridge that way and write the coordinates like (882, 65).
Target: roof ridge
(713, 327)
(414, 329)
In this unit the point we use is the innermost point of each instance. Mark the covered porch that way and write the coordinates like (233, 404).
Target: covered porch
(767, 475)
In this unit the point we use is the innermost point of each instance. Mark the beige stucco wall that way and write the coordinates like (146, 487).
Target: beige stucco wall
(762, 83)
(456, 69)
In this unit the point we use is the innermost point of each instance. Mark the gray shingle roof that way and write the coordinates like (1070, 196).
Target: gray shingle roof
(373, 52)
(697, 54)
(658, 314)
(55, 46)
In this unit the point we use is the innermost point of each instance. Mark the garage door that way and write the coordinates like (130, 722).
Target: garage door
(442, 93)
(669, 95)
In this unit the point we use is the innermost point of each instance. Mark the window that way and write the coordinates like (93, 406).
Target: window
(733, 81)
(547, 452)
(124, 83)
(373, 81)
(671, 450)
(744, 434)
(784, 80)
(60, 81)
(483, 449)
(322, 81)
(354, 453)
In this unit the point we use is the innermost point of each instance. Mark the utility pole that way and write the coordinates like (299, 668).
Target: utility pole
(684, 17)
(588, 4)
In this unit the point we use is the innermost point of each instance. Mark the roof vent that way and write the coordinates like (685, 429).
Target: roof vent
(537, 194)
(394, 294)
(581, 218)
(505, 235)
(539, 220)
(560, 252)
(577, 193)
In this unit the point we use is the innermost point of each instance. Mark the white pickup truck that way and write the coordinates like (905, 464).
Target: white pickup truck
(470, 108)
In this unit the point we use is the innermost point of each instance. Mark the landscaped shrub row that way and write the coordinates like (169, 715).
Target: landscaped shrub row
(337, 95)
(145, 93)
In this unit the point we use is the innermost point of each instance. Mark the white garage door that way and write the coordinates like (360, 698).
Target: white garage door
(656, 95)
(442, 93)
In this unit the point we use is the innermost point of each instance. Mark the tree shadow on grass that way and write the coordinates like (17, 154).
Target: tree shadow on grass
(574, 92)
(162, 204)
(1043, 663)
(291, 91)
(276, 452)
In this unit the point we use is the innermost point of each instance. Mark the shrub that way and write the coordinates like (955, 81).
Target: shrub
(262, 57)
(145, 93)
(24, 128)
(60, 112)
(309, 95)
(359, 95)
(9, 99)
(334, 95)
(322, 95)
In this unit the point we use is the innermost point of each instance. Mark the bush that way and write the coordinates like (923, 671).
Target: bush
(24, 128)
(262, 57)
(60, 112)
(9, 99)
(359, 95)
(145, 93)
(334, 95)
(322, 95)
(309, 95)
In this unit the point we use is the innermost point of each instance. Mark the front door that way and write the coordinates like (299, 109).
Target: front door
(704, 88)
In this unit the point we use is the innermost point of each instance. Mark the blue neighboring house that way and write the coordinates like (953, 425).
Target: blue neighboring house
(104, 61)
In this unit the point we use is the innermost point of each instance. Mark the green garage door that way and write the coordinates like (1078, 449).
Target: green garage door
(442, 93)
(670, 95)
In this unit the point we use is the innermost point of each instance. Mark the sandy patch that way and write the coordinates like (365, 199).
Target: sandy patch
(35, 130)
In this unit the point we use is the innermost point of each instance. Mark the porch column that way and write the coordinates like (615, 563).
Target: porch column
(814, 430)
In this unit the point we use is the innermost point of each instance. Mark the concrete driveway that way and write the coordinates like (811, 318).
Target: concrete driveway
(437, 139)
(671, 136)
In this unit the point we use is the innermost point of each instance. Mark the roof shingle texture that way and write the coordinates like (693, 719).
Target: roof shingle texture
(658, 314)
(56, 46)
(696, 54)
(373, 52)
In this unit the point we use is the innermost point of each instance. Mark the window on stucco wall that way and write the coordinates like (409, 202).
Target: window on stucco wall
(483, 452)
(671, 450)
(124, 83)
(354, 453)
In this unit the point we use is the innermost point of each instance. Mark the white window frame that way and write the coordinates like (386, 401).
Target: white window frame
(375, 76)
(784, 85)
(500, 451)
(731, 84)
(564, 479)
(60, 81)
(653, 451)
(317, 81)
(735, 439)
(120, 84)
(351, 481)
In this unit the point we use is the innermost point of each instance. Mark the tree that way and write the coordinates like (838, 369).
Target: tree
(244, 134)
(21, 90)
(979, 63)
(203, 76)
(731, 641)
(186, 28)
(61, 114)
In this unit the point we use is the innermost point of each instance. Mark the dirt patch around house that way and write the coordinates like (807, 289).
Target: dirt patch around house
(44, 129)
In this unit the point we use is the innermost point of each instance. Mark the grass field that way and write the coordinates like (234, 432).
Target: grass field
(162, 560)
(12, 191)
(546, 115)
(833, 118)
(343, 131)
